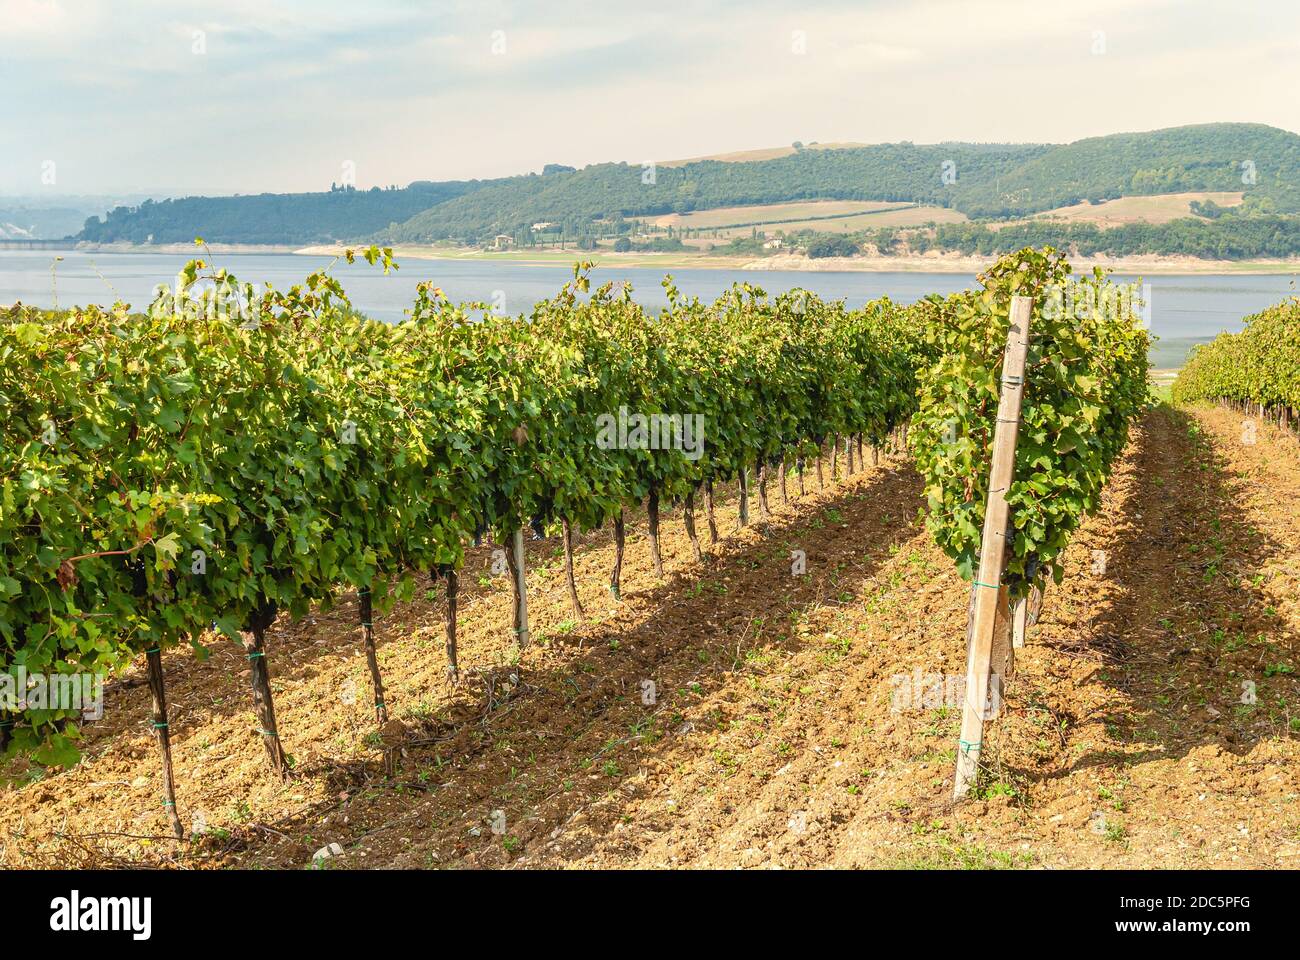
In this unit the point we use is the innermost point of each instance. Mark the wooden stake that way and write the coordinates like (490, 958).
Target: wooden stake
(160, 729)
(744, 497)
(521, 590)
(260, 681)
(1002, 656)
(708, 512)
(760, 471)
(801, 465)
(372, 655)
(993, 544)
(780, 477)
(1019, 622)
(568, 571)
(821, 477)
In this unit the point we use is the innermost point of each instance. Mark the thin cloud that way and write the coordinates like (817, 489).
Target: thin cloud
(283, 94)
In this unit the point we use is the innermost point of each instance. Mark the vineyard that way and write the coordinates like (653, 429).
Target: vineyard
(242, 475)
(1257, 371)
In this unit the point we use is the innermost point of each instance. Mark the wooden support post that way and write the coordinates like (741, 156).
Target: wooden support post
(1019, 622)
(260, 681)
(992, 547)
(161, 731)
(743, 519)
(1002, 656)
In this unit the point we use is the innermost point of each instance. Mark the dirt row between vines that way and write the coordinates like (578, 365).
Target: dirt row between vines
(768, 738)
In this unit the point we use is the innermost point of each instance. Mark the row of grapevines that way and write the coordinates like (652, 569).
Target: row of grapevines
(1259, 366)
(187, 468)
(1085, 380)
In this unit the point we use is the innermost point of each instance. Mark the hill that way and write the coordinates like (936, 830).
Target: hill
(884, 172)
(977, 181)
(338, 214)
(36, 217)
(1212, 156)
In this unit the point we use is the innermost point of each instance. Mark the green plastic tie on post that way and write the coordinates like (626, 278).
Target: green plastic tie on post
(160, 726)
(991, 586)
(967, 747)
(268, 733)
(259, 653)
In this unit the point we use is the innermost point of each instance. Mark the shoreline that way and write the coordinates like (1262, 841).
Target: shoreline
(1150, 264)
(934, 262)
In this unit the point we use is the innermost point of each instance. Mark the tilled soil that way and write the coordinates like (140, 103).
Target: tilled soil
(738, 713)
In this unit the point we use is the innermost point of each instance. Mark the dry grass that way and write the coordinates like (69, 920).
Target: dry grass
(745, 216)
(1160, 208)
(763, 153)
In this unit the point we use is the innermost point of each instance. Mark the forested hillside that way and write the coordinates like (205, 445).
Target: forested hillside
(894, 171)
(271, 217)
(1261, 160)
(980, 180)
(1229, 237)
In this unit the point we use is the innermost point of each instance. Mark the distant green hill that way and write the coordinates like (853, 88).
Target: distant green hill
(980, 180)
(893, 171)
(52, 217)
(343, 214)
(1212, 156)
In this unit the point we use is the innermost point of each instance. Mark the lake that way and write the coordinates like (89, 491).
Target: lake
(1184, 309)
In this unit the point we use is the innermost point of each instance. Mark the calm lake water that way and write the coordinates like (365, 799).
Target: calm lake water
(1184, 309)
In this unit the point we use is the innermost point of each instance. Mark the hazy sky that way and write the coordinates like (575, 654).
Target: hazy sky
(230, 96)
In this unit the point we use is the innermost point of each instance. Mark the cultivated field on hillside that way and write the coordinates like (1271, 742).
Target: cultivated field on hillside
(762, 153)
(1159, 208)
(824, 216)
(771, 213)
